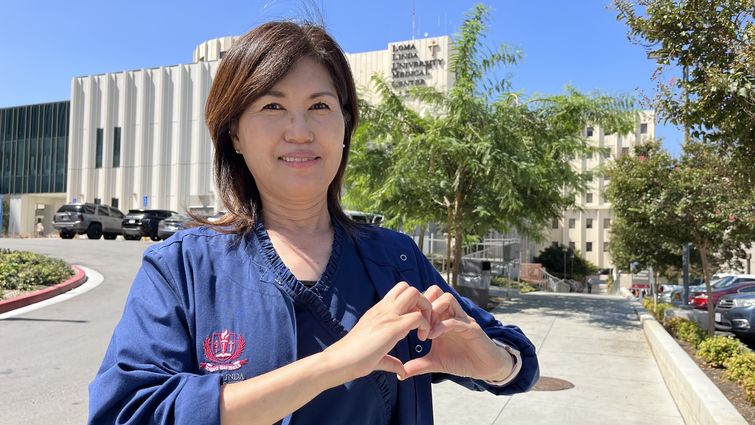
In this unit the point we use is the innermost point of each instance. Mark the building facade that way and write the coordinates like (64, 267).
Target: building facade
(138, 138)
(33, 152)
(587, 227)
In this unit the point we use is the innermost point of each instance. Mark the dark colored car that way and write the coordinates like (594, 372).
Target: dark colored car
(171, 225)
(736, 313)
(700, 299)
(138, 223)
(94, 220)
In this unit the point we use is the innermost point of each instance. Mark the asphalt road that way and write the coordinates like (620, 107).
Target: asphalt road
(49, 356)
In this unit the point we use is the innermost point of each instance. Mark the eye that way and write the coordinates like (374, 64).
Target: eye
(272, 107)
(320, 106)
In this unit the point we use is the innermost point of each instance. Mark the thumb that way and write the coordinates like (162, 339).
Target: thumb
(420, 366)
(391, 364)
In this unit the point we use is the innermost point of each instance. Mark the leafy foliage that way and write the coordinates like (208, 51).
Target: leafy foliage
(740, 366)
(26, 270)
(716, 350)
(565, 262)
(484, 157)
(690, 332)
(715, 41)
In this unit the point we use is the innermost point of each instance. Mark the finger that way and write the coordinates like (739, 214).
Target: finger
(412, 299)
(419, 366)
(391, 364)
(412, 320)
(454, 324)
(396, 291)
(448, 306)
(433, 293)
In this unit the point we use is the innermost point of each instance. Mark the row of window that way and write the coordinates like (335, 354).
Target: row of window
(113, 202)
(588, 246)
(588, 223)
(589, 131)
(607, 154)
(33, 148)
(99, 144)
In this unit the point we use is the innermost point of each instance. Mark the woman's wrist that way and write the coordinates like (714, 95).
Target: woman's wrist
(513, 363)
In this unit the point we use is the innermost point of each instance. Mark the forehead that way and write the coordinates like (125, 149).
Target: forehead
(305, 75)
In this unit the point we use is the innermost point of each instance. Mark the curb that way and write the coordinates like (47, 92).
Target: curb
(77, 280)
(698, 399)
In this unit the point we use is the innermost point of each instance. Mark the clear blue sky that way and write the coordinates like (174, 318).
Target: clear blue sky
(46, 42)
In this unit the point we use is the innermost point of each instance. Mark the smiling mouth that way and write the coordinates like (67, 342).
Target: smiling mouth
(293, 159)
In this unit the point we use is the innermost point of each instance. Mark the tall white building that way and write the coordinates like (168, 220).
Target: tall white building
(587, 227)
(138, 138)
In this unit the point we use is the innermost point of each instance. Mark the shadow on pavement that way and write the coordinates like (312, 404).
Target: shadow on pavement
(608, 312)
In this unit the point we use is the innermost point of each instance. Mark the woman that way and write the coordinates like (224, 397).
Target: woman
(284, 310)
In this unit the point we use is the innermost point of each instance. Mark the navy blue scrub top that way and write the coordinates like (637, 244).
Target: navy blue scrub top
(344, 292)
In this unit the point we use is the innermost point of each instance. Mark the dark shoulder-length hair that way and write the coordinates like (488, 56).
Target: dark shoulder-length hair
(255, 63)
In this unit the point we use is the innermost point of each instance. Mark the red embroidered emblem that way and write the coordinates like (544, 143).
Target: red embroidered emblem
(223, 350)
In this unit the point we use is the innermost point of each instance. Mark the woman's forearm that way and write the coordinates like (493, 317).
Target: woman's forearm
(268, 398)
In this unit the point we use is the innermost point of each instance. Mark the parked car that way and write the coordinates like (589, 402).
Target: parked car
(736, 313)
(171, 225)
(94, 220)
(717, 280)
(700, 298)
(139, 223)
(365, 218)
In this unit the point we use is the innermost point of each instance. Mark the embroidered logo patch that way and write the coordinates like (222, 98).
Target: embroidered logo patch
(222, 350)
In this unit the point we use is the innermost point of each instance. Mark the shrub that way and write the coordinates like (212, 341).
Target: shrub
(740, 366)
(26, 270)
(748, 384)
(716, 350)
(672, 324)
(660, 311)
(525, 287)
(690, 332)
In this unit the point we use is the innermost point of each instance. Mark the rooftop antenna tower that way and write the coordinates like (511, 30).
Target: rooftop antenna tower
(414, 19)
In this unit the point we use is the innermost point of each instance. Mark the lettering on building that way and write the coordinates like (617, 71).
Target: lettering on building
(408, 69)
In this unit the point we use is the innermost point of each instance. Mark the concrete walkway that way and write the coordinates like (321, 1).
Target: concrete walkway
(593, 341)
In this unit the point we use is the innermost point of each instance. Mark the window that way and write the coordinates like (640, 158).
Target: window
(643, 128)
(98, 149)
(114, 202)
(572, 246)
(588, 247)
(588, 132)
(605, 246)
(588, 223)
(116, 147)
(606, 223)
(588, 197)
(572, 223)
(97, 201)
(624, 151)
(554, 244)
(554, 223)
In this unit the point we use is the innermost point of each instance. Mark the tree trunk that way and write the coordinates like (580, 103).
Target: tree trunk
(448, 246)
(458, 242)
(708, 290)
(422, 238)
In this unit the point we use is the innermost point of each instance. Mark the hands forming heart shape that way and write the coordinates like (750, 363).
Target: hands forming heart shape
(460, 346)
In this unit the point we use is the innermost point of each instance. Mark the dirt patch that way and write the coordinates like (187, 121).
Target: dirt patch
(13, 293)
(732, 391)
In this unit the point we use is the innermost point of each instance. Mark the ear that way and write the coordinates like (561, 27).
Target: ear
(232, 133)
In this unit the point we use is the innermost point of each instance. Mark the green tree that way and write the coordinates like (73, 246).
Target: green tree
(713, 42)
(565, 262)
(660, 203)
(485, 157)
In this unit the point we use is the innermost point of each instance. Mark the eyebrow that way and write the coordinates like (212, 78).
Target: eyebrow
(275, 93)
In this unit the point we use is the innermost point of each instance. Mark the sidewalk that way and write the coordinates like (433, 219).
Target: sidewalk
(592, 341)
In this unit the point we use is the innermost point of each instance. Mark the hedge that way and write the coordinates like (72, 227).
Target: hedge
(23, 270)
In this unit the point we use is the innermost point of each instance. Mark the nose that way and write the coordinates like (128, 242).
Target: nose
(298, 129)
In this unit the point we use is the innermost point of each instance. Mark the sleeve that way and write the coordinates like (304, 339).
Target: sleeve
(508, 335)
(147, 374)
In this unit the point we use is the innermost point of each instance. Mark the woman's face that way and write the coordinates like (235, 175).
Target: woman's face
(292, 136)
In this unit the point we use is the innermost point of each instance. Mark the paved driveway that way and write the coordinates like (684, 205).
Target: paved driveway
(50, 355)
